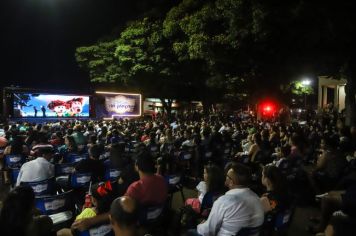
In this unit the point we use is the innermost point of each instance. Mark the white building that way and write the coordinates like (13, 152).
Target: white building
(331, 90)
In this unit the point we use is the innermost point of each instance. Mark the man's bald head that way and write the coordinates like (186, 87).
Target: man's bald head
(124, 212)
(128, 204)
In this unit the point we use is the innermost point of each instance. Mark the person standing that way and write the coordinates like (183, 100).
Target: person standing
(43, 109)
(35, 110)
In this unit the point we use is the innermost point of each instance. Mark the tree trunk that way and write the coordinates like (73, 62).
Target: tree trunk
(167, 106)
(350, 100)
(206, 107)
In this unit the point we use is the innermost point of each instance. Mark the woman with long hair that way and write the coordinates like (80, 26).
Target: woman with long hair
(276, 197)
(211, 185)
(17, 147)
(70, 146)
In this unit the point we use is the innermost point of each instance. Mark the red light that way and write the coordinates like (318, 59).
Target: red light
(268, 108)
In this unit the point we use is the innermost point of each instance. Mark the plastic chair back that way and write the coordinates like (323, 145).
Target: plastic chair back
(75, 157)
(112, 174)
(64, 169)
(101, 230)
(153, 149)
(173, 179)
(49, 205)
(150, 214)
(2, 149)
(244, 159)
(80, 180)
(44, 187)
(185, 155)
(14, 174)
(282, 220)
(249, 231)
(14, 161)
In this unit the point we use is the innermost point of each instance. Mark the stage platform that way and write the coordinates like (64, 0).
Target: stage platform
(42, 120)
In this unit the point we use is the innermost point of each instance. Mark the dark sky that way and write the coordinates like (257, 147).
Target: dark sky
(38, 38)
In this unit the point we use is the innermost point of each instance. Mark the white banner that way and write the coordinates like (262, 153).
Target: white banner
(119, 104)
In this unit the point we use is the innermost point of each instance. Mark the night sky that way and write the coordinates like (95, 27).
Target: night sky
(39, 37)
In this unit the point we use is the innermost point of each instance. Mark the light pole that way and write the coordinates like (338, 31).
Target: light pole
(305, 82)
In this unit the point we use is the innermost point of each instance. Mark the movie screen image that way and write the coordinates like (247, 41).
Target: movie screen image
(50, 105)
(110, 105)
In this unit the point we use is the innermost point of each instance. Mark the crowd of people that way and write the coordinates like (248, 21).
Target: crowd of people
(249, 175)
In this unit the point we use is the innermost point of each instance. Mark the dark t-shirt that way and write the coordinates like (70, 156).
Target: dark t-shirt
(349, 201)
(96, 167)
(128, 175)
(277, 201)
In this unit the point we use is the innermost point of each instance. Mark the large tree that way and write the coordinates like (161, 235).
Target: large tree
(146, 60)
(198, 38)
(100, 62)
(241, 46)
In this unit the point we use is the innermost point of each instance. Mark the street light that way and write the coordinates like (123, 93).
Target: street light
(306, 82)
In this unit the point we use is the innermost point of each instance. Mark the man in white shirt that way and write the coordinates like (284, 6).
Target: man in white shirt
(38, 169)
(238, 208)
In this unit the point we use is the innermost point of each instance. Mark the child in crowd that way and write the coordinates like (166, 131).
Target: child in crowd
(102, 195)
(101, 198)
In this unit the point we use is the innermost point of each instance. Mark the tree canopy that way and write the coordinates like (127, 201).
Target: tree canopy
(230, 48)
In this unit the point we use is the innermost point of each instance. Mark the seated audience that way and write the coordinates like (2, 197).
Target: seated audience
(334, 201)
(69, 146)
(150, 189)
(92, 164)
(254, 148)
(3, 144)
(16, 147)
(56, 139)
(78, 136)
(219, 142)
(42, 143)
(282, 157)
(329, 167)
(118, 158)
(128, 175)
(340, 226)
